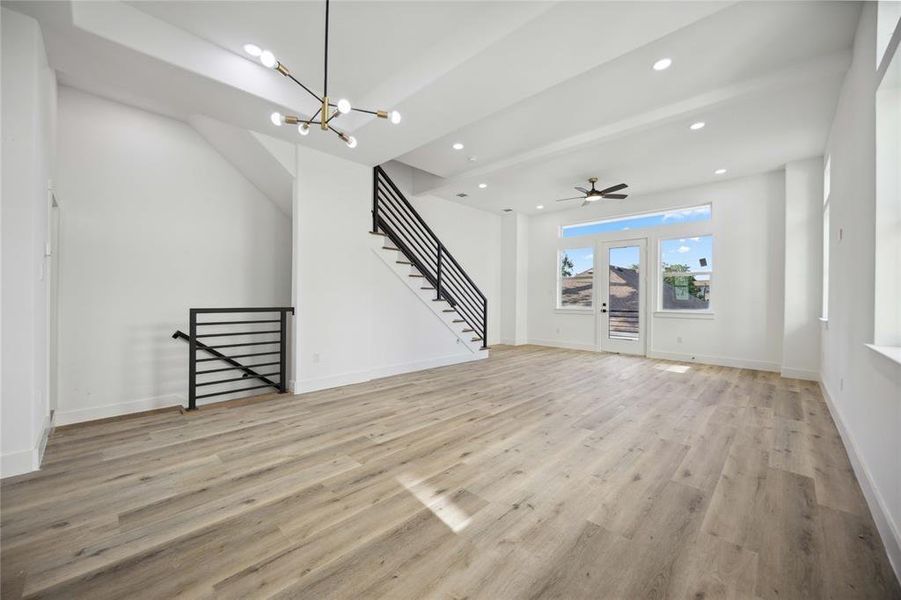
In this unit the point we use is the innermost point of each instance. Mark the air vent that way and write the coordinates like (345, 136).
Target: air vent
(462, 195)
(508, 210)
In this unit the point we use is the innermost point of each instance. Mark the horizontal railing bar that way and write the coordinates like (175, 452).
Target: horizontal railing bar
(237, 333)
(384, 177)
(428, 246)
(218, 381)
(244, 344)
(247, 389)
(234, 368)
(390, 200)
(237, 356)
(238, 322)
(289, 309)
(450, 273)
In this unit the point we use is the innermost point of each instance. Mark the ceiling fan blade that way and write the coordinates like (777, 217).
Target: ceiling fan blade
(580, 189)
(573, 198)
(614, 188)
(617, 196)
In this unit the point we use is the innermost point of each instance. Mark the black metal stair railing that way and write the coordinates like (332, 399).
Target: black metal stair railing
(274, 323)
(393, 215)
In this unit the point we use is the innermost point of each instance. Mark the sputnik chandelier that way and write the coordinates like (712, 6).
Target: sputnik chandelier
(327, 112)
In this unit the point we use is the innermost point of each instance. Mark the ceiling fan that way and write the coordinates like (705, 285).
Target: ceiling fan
(593, 195)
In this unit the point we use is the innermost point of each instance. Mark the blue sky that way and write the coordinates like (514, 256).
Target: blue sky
(688, 215)
(582, 258)
(624, 257)
(688, 251)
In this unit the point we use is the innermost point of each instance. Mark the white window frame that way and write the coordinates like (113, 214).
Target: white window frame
(558, 304)
(639, 215)
(661, 273)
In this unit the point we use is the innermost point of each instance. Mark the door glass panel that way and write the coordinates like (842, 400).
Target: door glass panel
(623, 298)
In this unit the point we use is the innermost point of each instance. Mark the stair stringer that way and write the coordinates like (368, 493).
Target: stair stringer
(427, 297)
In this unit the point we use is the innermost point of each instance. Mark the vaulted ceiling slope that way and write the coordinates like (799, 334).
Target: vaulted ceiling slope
(543, 95)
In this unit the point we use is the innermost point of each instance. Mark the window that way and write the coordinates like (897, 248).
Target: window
(686, 271)
(575, 288)
(671, 217)
(827, 186)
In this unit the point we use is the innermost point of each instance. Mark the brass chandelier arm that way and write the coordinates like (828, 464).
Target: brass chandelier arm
(327, 111)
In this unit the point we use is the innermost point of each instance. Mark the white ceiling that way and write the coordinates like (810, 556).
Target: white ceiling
(543, 94)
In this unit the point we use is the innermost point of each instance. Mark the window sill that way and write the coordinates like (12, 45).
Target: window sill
(683, 314)
(574, 311)
(893, 353)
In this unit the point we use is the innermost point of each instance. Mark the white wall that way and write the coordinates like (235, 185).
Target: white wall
(28, 126)
(355, 321)
(803, 264)
(747, 291)
(153, 222)
(514, 278)
(863, 387)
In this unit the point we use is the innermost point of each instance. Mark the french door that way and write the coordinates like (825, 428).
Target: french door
(622, 291)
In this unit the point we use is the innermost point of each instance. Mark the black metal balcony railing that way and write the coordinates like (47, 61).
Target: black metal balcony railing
(273, 322)
(393, 215)
(623, 323)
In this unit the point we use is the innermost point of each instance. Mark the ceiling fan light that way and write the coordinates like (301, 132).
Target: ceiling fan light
(253, 50)
(394, 117)
(277, 119)
(268, 59)
(344, 106)
(303, 129)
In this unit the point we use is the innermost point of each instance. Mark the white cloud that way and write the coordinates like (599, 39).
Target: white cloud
(696, 239)
(684, 249)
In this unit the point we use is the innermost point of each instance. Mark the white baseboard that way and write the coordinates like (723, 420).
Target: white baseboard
(114, 410)
(562, 344)
(888, 529)
(26, 461)
(720, 361)
(332, 381)
(799, 374)
(19, 462)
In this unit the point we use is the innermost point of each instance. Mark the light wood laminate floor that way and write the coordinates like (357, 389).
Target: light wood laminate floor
(538, 473)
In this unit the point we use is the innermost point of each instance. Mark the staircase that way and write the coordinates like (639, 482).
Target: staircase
(413, 251)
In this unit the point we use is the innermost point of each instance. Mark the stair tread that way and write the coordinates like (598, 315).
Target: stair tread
(449, 310)
(457, 320)
(414, 275)
(403, 262)
(377, 233)
(468, 330)
(427, 288)
(390, 248)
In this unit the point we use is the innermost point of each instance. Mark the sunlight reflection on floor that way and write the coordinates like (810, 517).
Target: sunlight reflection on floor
(440, 504)
(673, 368)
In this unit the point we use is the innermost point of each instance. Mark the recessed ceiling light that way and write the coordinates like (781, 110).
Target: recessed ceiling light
(719, 171)
(458, 146)
(663, 64)
(540, 206)
(698, 125)
(482, 186)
